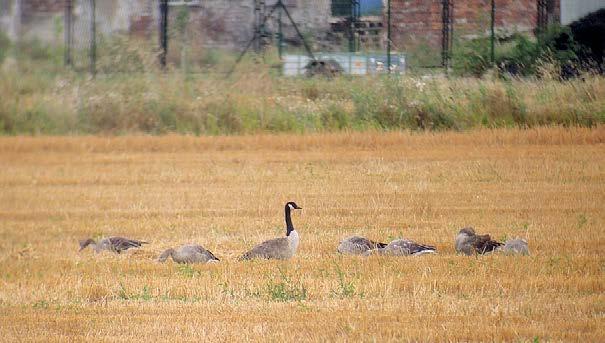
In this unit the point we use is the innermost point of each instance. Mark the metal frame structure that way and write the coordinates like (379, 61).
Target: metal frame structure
(260, 25)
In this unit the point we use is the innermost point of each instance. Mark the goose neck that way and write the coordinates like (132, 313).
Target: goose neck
(289, 226)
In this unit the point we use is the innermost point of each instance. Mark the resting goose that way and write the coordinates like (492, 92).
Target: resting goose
(469, 243)
(281, 248)
(357, 245)
(114, 244)
(515, 246)
(188, 254)
(402, 247)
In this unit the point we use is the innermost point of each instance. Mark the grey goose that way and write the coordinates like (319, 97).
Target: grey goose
(113, 244)
(188, 254)
(402, 247)
(469, 243)
(515, 246)
(281, 248)
(357, 245)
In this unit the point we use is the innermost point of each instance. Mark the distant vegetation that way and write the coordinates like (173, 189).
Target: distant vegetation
(40, 96)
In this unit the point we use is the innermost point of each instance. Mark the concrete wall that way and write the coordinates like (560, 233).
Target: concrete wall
(572, 10)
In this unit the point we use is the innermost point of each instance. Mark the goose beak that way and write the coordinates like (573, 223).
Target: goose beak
(298, 208)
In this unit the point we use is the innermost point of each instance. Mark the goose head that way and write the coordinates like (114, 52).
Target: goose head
(292, 206)
(469, 231)
(86, 242)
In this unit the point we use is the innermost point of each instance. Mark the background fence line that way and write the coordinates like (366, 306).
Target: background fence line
(176, 33)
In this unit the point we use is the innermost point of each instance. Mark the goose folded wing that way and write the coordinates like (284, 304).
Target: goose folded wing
(206, 252)
(484, 244)
(273, 248)
(121, 243)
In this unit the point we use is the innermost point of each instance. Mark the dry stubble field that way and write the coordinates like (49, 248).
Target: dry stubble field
(227, 193)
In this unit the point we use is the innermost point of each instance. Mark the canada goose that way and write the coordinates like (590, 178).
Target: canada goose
(115, 244)
(469, 243)
(515, 246)
(402, 247)
(281, 248)
(188, 254)
(357, 245)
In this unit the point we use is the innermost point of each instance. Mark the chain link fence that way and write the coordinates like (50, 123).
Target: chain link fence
(360, 36)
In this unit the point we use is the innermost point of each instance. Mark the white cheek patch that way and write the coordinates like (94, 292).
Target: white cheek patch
(291, 207)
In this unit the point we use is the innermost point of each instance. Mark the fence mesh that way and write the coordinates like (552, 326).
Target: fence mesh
(125, 36)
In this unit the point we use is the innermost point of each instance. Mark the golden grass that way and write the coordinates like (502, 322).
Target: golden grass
(227, 193)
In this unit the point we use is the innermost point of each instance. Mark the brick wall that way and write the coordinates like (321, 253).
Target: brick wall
(419, 23)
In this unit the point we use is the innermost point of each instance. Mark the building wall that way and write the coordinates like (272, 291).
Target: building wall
(572, 10)
(419, 22)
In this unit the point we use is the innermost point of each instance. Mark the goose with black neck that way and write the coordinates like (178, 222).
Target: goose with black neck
(282, 248)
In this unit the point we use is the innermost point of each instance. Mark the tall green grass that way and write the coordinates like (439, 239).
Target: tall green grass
(40, 99)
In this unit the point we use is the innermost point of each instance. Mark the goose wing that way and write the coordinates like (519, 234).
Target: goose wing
(121, 243)
(276, 248)
(409, 247)
(484, 244)
(516, 246)
(201, 250)
(357, 245)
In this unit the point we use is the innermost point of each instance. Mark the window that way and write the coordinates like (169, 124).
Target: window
(344, 8)
(184, 2)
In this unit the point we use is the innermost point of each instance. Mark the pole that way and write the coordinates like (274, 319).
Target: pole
(493, 35)
(280, 36)
(68, 13)
(93, 38)
(163, 32)
(389, 36)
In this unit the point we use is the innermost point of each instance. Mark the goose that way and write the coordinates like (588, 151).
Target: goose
(469, 243)
(114, 244)
(357, 245)
(515, 246)
(402, 247)
(281, 248)
(188, 254)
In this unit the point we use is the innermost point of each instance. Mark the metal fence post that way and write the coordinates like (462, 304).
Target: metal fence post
(493, 35)
(93, 38)
(68, 30)
(389, 36)
(163, 32)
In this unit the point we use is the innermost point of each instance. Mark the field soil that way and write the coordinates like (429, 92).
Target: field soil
(228, 193)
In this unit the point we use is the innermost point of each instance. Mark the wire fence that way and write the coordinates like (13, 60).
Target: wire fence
(362, 36)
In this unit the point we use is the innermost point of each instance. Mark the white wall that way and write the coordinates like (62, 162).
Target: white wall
(572, 10)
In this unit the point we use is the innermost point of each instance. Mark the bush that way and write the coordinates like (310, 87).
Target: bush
(519, 54)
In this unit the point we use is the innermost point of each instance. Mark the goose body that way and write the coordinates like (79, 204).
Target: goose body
(357, 245)
(188, 254)
(469, 243)
(402, 247)
(282, 248)
(113, 244)
(515, 246)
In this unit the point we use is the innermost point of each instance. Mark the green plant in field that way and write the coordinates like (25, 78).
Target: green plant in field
(346, 289)
(144, 294)
(286, 290)
(41, 304)
(188, 271)
(582, 221)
